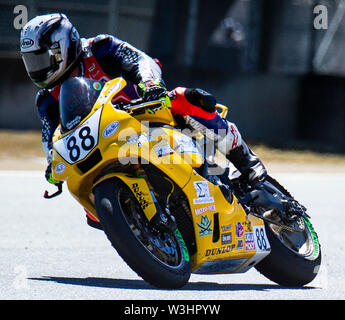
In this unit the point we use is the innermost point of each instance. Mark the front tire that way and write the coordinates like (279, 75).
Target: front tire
(160, 258)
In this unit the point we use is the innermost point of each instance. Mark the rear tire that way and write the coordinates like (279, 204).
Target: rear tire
(160, 258)
(284, 265)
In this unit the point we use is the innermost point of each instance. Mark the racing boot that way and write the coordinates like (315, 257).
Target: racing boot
(248, 163)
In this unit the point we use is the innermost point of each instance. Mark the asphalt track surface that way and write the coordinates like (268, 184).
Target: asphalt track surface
(48, 252)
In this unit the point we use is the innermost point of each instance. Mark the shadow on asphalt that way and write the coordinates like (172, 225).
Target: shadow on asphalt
(142, 285)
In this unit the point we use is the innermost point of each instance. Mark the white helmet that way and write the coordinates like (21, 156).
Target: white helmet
(50, 45)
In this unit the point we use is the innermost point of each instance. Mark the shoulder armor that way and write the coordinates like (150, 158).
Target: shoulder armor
(40, 96)
(100, 40)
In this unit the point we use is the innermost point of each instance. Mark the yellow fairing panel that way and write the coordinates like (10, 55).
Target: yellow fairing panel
(224, 233)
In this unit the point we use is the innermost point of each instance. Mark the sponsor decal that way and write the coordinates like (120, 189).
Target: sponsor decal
(140, 139)
(202, 192)
(110, 129)
(185, 144)
(97, 86)
(73, 123)
(226, 228)
(247, 225)
(261, 241)
(226, 238)
(163, 150)
(218, 251)
(200, 211)
(140, 196)
(204, 226)
(235, 135)
(249, 241)
(239, 245)
(239, 230)
(80, 142)
(27, 43)
(60, 168)
(92, 68)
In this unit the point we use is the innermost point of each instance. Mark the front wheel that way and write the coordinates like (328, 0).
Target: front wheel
(295, 257)
(159, 257)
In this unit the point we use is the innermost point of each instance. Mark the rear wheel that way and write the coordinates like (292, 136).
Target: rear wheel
(159, 257)
(295, 255)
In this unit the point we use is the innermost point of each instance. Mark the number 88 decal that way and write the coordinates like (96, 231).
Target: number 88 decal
(86, 144)
(79, 143)
(261, 240)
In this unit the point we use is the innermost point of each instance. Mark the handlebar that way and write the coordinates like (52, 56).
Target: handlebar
(139, 106)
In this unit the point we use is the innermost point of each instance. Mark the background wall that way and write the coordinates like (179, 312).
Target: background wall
(282, 78)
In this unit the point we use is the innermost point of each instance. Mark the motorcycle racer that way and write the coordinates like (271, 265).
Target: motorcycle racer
(53, 51)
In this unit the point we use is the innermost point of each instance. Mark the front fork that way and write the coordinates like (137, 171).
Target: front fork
(163, 219)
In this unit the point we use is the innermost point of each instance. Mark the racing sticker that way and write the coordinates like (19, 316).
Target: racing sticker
(80, 142)
(239, 230)
(260, 238)
(200, 211)
(60, 168)
(239, 245)
(205, 226)
(163, 150)
(185, 144)
(202, 192)
(110, 129)
(226, 238)
(249, 241)
(140, 139)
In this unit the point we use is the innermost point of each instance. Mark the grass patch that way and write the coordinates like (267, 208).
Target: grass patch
(268, 154)
(20, 144)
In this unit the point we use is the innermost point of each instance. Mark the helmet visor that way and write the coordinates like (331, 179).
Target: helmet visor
(38, 64)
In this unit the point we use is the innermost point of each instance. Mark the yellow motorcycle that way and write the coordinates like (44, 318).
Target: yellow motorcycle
(148, 184)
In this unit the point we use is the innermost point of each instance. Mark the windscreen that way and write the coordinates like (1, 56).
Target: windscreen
(77, 98)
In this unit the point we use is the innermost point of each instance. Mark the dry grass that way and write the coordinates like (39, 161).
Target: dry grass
(20, 144)
(297, 156)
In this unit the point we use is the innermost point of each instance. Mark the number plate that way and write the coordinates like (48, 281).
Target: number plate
(261, 241)
(81, 141)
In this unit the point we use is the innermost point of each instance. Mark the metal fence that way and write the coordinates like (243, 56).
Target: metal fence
(127, 19)
(265, 58)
